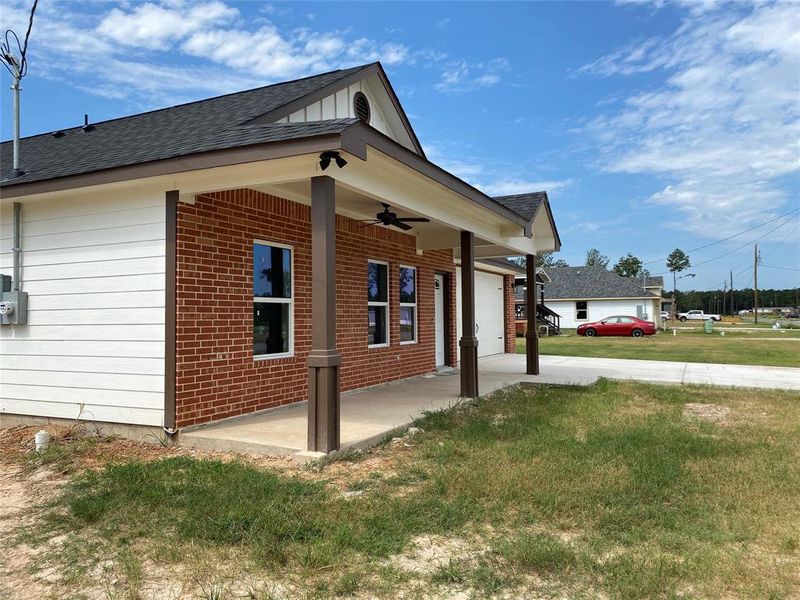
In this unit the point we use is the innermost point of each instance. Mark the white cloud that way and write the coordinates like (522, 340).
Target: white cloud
(505, 187)
(154, 26)
(460, 76)
(723, 127)
(174, 50)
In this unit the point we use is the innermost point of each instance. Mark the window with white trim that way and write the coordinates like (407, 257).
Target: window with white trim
(408, 305)
(582, 310)
(377, 303)
(273, 299)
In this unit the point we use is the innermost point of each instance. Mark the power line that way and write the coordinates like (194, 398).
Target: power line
(781, 268)
(730, 237)
(705, 262)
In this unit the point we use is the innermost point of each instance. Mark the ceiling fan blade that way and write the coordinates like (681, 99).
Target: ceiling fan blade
(414, 219)
(400, 225)
(368, 223)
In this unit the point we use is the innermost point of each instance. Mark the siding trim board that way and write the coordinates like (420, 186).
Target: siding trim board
(170, 308)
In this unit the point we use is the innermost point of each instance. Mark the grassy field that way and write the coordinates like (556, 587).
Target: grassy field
(611, 491)
(776, 348)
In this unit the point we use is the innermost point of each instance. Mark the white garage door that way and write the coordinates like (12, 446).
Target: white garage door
(489, 312)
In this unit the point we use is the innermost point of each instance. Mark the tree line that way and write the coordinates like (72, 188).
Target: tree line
(713, 301)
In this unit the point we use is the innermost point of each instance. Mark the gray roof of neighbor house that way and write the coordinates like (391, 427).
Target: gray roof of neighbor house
(523, 204)
(213, 124)
(654, 281)
(590, 283)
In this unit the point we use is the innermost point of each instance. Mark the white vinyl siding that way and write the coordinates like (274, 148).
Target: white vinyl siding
(597, 309)
(94, 345)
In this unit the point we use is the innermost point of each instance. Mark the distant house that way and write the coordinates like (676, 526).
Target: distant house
(585, 294)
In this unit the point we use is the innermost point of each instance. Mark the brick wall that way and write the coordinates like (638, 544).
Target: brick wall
(510, 313)
(217, 376)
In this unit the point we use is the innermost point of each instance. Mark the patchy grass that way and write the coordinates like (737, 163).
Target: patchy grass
(579, 492)
(767, 348)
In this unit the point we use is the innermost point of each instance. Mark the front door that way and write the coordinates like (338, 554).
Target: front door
(438, 311)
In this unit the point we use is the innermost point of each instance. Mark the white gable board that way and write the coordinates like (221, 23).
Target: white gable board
(384, 116)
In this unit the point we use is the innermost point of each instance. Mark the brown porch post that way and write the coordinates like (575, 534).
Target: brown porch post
(323, 360)
(468, 343)
(531, 333)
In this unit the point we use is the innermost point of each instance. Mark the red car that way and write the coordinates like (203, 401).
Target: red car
(618, 326)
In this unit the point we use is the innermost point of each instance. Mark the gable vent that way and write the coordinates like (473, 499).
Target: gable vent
(361, 106)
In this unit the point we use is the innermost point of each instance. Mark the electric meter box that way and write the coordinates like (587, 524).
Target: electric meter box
(14, 308)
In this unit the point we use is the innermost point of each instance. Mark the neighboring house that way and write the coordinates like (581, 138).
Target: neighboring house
(548, 320)
(222, 257)
(585, 294)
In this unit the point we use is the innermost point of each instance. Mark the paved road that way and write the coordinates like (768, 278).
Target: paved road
(582, 370)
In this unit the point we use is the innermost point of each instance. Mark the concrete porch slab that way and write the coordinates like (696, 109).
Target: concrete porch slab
(371, 414)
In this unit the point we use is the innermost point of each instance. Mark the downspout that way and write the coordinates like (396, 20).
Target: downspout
(17, 247)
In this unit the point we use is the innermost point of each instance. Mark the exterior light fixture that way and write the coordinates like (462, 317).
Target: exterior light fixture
(326, 157)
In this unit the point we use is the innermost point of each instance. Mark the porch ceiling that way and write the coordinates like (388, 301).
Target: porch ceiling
(358, 205)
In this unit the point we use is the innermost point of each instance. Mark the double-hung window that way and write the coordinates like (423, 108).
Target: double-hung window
(378, 303)
(582, 310)
(272, 300)
(408, 305)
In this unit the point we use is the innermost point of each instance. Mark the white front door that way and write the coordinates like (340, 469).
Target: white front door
(438, 312)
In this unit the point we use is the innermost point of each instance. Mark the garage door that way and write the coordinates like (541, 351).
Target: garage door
(489, 312)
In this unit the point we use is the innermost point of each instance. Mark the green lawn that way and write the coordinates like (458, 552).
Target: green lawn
(691, 345)
(559, 492)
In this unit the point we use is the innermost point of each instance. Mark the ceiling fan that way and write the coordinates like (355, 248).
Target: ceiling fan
(387, 217)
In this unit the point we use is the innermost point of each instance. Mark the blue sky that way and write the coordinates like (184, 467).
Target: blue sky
(652, 125)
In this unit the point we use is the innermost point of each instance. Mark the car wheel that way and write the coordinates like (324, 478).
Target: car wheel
(591, 333)
(683, 319)
(637, 333)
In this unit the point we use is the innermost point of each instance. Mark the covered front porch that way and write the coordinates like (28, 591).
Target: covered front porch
(367, 415)
(336, 189)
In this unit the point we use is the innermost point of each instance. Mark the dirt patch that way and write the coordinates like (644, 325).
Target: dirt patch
(427, 553)
(19, 498)
(713, 413)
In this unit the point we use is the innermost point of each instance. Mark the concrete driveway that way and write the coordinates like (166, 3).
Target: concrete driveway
(582, 370)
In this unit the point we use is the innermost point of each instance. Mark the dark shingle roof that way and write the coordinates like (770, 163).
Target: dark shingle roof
(591, 282)
(654, 281)
(212, 124)
(524, 205)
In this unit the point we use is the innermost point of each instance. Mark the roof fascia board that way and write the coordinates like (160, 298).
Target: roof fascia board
(545, 204)
(182, 164)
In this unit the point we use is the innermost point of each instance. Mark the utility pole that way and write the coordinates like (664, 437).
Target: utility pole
(755, 283)
(724, 292)
(674, 284)
(733, 312)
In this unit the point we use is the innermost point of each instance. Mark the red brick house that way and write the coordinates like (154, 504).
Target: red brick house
(244, 252)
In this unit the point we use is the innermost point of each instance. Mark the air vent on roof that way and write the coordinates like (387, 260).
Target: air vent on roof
(361, 106)
(58, 134)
